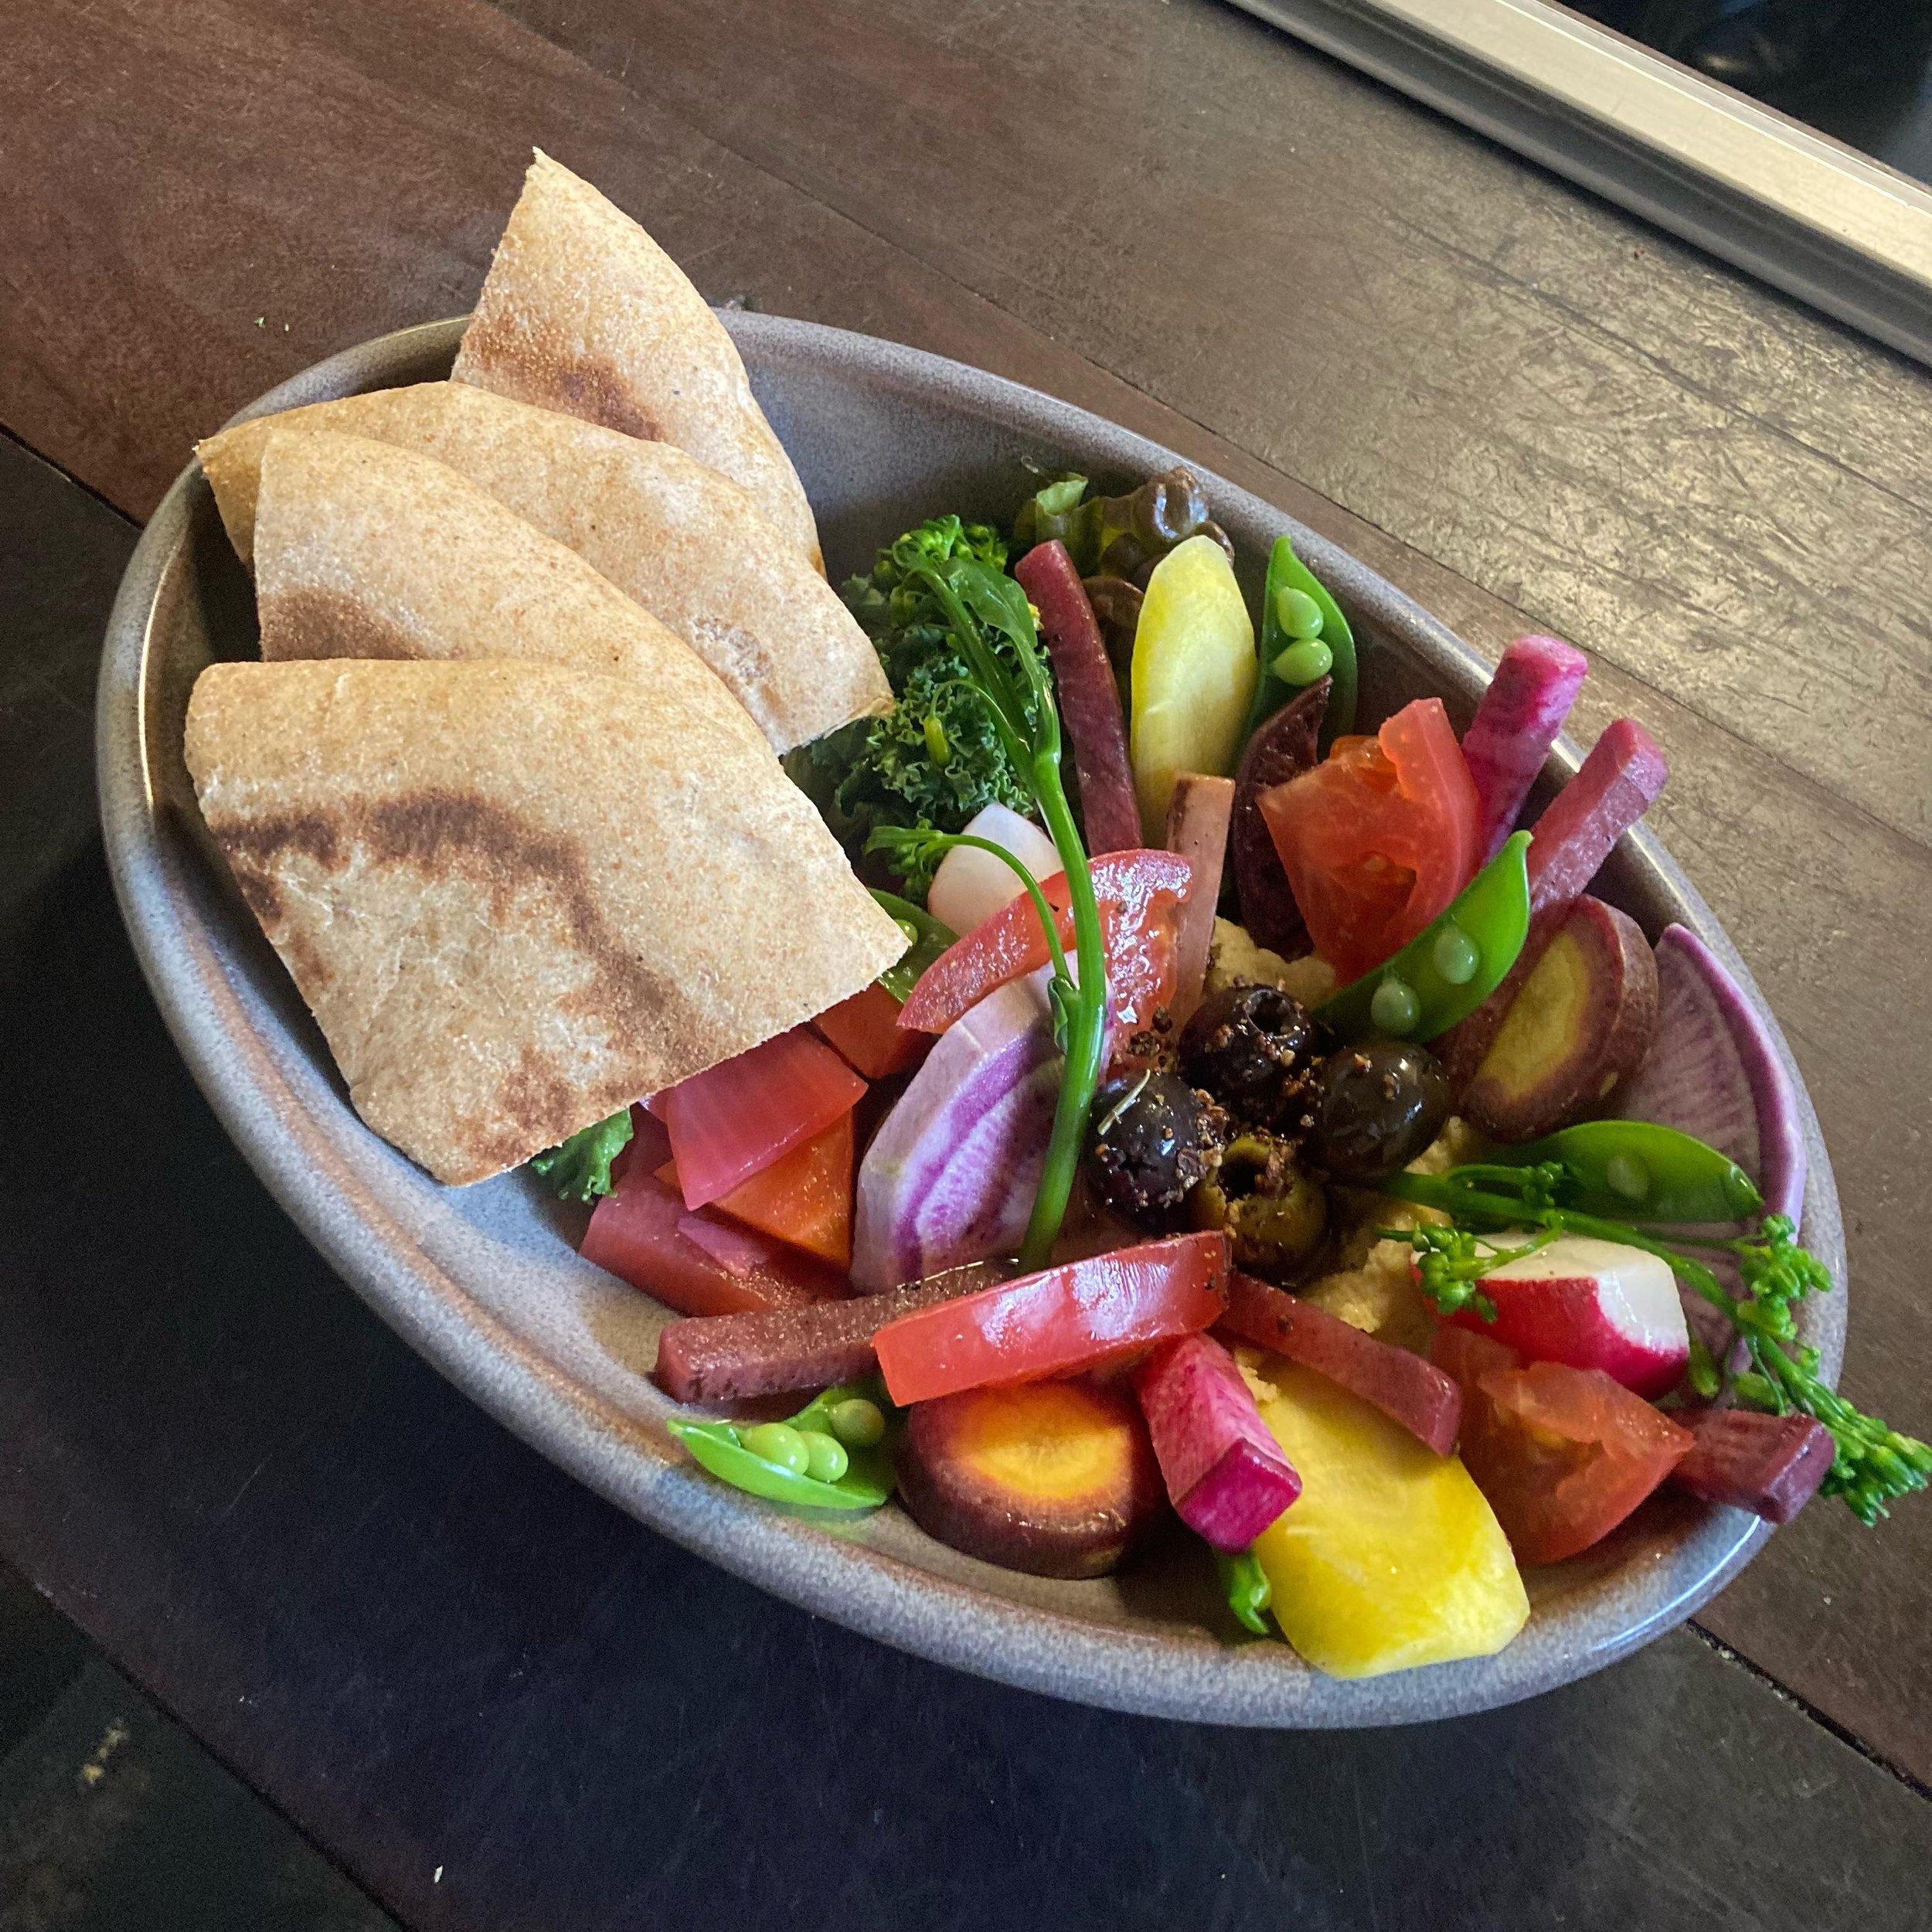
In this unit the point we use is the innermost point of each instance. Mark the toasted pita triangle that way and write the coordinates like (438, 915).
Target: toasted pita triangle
(583, 313)
(365, 550)
(518, 896)
(680, 540)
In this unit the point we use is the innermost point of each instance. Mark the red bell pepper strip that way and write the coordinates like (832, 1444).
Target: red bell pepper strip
(1089, 697)
(1139, 894)
(1058, 1321)
(739, 1117)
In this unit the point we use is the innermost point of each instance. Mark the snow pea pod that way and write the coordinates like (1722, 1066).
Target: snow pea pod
(721, 1448)
(1638, 1171)
(1288, 574)
(930, 938)
(1451, 966)
(1248, 1592)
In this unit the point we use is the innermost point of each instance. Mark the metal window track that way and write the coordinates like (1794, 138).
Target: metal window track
(1759, 190)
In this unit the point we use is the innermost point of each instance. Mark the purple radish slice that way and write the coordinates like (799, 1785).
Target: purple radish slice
(1535, 683)
(1714, 1072)
(1224, 1472)
(950, 1174)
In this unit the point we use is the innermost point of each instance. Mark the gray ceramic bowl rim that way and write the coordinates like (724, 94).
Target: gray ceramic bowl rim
(415, 1283)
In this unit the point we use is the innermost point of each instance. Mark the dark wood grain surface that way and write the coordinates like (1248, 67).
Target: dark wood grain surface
(1525, 409)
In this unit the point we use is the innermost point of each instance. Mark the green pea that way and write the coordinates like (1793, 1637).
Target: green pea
(1303, 663)
(825, 1457)
(1456, 956)
(1625, 1175)
(857, 1422)
(1395, 1007)
(1298, 613)
(779, 1444)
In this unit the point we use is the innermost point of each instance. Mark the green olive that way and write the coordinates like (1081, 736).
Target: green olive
(825, 1457)
(857, 1424)
(779, 1444)
(1273, 1214)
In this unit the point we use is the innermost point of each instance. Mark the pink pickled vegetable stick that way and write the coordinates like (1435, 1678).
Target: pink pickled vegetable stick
(1089, 700)
(1197, 828)
(1537, 681)
(1770, 1465)
(1224, 1470)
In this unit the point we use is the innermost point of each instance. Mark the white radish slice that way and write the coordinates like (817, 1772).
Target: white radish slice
(971, 886)
(1714, 1073)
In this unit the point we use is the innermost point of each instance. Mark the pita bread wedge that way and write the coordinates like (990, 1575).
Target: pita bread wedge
(364, 549)
(684, 542)
(582, 312)
(518, 896)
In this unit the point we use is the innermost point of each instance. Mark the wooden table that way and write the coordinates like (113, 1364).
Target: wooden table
(1530, 412)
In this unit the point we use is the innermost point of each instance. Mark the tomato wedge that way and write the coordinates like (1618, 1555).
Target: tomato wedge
(736, 1118)
(1058, 1321)
(699, 1264)
(1379, 837)
(1139, 894)
(866, 1030)
(1562, 1454)
(804, 1199)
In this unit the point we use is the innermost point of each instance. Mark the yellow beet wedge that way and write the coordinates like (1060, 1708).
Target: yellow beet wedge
(1194, 672)
(1391, 1557)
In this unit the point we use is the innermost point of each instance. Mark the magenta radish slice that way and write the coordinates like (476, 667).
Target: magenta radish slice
(1528, 698)
(1715, 1073)
(1224, 1470)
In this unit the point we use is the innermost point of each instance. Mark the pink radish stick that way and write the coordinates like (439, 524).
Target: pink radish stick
(1537, 681)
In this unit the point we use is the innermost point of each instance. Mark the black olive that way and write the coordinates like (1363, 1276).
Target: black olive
(1153, 1139)
(1252, 1046)
(1376, 1108)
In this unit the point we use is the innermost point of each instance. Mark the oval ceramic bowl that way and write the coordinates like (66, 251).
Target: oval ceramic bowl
(484, 1281)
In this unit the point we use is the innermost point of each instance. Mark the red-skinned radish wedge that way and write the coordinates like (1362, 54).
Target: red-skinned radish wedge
(1225, 1473)
(1059, 1321)
(1714, 1072)
(1770, 1465)
(739, 1117)
(1055, 1478)
(1407, 1389)
(949, 1176)
(1089, 697)
(1589, 1305)
(1535, 683)
(1198, 815)
(971, 886)
(1580, 1024)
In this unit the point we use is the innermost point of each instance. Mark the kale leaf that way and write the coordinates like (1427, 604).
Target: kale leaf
(935, 759)
(579, 1170)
